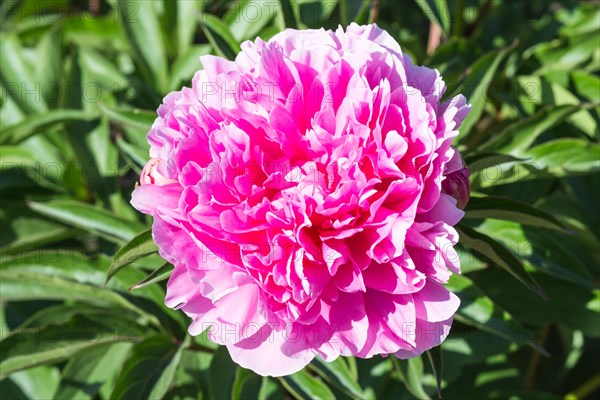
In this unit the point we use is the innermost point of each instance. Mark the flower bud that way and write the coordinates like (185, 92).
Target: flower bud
(456, 181)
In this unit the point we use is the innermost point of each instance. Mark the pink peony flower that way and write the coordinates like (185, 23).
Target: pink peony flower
(298, 192)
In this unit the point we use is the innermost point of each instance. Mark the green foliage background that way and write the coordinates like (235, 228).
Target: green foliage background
(80, 82)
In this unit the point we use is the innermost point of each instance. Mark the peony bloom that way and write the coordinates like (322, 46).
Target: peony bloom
(298, 192)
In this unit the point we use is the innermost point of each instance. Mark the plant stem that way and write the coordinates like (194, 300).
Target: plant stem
(374, 13)
(535, 359)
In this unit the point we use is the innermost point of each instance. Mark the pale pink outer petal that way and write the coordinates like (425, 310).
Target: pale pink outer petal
(271, 353)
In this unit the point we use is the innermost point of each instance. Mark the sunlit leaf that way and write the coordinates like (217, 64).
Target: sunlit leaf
(438, 12)
(489, 249)
(92, 219)
(149, 371)
(221, 374)
(411, 374)
(187, 14)
(85, 373)
(478, 310)
(518, 137)
(141, 119)
(41, 122)
(186, 65)
(54, 343)
(435, 359)
(220, 36)
(249, 17)
(340, 375)
(24, 230)
(18, 77)
(303, 385)
(288, 15)
(510, 210)
(476, 85)
(566, 156)
(140, 23)
(158, 275)
(138, 247)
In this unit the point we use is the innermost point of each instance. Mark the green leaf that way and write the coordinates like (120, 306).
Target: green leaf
(478, 310)
(504, 208)
(479, 161)
(77, 268)
(25, 230)
(135, 118)
(85, 373)
(587, 85)
(517, 137)
(191, 378)
(315, 14)
(567, 256)
(158, 275)
(22, 179)
(102, 70)
(91, 143)
(303, 385)
(49, 73)
(186, 65)
(249, 18)
(338, 373)
(15, 156)
(560, 56)
(438, 12)
(219, 36)
(242, 375)
(470, 347)
(99, 33)
(136, 157)
(41, 122)
(67, 275)
(475, 87)
(581, 20)
(221, 374)
(489, 169)
(54, 343)
(149, 371)
(92, 219)
(410, 372)
(24, 286)
(138, 247)
(435, 359)
(62, 313)
(544, 92)
(269, 389)
(568, 304)
(287, 15)
(34, 383)
(563, 157)
(495, 253)
(354, 11)
(187, 15)
(17, 76)
(140, 23)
